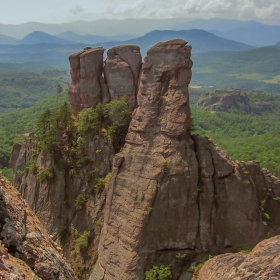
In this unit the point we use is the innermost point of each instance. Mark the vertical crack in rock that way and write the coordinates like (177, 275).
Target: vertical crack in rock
(121, 71)
(86, 72)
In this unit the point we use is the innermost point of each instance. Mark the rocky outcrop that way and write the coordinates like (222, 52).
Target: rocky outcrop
(172, 196)
(55, 199)
(261, 263)
(121, 72)
(225, 101)
(26, 249)
(86, 70)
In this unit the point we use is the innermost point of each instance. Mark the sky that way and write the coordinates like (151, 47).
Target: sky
(60, 11)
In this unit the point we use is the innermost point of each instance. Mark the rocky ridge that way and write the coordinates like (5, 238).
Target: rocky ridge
(173, 197)
(226, 100)
(26, 249)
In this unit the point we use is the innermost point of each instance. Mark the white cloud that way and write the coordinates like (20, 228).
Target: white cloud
(264, 10)
(64, 10)
(77, 10)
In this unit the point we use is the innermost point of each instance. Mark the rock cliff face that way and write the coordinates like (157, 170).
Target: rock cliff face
(261, 263)
(55, 200)
(92, 84)
(26, 249)
(172, 196)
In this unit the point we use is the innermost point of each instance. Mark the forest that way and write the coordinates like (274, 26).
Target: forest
(243, 136)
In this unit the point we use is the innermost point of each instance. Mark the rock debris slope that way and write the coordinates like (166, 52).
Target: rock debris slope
(26, 249)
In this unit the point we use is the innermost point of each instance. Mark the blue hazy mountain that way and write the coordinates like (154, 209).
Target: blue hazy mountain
(38, 37)
(200, 40)
(92, 39)
(249, 32)
(7, 40)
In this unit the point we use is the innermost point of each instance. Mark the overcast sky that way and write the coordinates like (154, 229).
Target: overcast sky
(59, 11)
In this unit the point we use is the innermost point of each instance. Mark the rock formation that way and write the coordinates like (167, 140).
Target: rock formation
(91, 84)
(172, 194)
(262, 263)
(227, 100)
(26, 249)
(54, 200)
(172, 197)
(121, 72)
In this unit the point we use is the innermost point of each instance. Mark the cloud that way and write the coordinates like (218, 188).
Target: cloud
(239, 9)
(77, 10)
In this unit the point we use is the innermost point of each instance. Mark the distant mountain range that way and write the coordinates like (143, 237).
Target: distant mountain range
(37, 37)
(42, 47)
(200, 40)
(92, 39)
(248, 32)
(7, 40)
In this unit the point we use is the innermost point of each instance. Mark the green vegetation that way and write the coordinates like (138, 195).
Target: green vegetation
(243, 136)
(238, 69)
(82, 240)
(30, 166)
(14, 127)
(45, 174)
(19, 90)
(80, 201)
(161, 272)
(119, 112)
(101, 183)
(8, 173)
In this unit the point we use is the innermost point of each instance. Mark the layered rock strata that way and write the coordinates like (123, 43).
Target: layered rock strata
(172, 194)
(94, 82)
(26, 249)
(262, 263)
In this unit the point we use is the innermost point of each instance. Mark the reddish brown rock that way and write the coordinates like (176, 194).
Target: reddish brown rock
(86, 71)
(25, 237)
(262, 263)
(146, 192)
(121, 71)
(172, 196)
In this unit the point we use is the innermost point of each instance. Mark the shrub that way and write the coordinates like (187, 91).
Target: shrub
(30, 166)
(80, 201)
(101, 182)
(161, 272)
(82, 241)
(120, 113)
(45, 174)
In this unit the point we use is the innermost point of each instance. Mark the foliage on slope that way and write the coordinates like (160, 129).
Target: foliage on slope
(20, 90)
(253, 69)
(243, 136)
